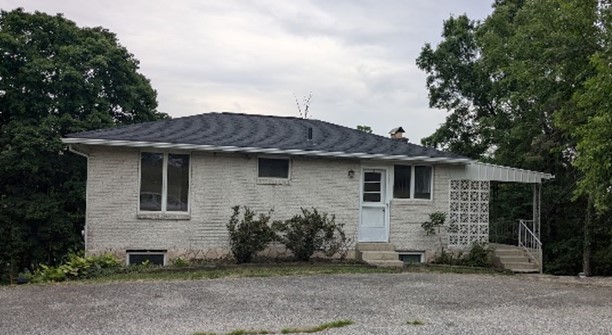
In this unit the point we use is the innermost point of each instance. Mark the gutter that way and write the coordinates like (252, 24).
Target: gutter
(258, 150)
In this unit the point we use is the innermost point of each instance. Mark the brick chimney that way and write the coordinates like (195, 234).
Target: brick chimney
(398, 134)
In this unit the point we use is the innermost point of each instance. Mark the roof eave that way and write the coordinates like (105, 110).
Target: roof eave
(258, 150)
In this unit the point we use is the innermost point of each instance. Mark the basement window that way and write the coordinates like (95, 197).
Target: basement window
(152, 257)
(411, 257)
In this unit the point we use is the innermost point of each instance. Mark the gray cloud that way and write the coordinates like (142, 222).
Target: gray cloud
(357, 57)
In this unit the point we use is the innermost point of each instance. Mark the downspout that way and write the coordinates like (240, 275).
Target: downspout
(82, 154)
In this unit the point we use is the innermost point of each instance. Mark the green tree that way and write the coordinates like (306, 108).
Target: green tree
(55, 79)
(457, 81)
(513, 85)
(591, 126)
(364, 128)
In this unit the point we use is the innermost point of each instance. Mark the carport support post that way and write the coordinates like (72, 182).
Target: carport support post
(537, 195)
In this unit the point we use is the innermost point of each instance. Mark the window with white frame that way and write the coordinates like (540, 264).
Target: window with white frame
(412, 181)
(273, 167)
(164, 182)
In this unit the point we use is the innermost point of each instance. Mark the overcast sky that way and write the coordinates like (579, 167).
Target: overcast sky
(356, 57)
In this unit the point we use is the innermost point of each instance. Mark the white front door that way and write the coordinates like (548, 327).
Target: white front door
(373, 226)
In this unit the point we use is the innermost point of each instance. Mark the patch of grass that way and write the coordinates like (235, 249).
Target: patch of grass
(238, 332)
(247, 332)
(415, 322)
(443, 268)
(319, 328)
(316, 329)
(240, 271)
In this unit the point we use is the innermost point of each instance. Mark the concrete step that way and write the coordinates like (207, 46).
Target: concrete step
(375, 246)
(388, 263)
(510, 253)
(379, 256)
(514, 266)
(514, 259)
(497, 246)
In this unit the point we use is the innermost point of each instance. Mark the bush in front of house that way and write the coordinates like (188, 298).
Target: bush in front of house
(479, 255)
(76, 266)
(247, 235)
(310, 232)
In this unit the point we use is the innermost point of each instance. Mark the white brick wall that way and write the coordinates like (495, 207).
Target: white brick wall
(220, 181)
(407, 215)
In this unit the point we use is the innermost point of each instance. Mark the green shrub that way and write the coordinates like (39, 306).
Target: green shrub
(436, 221)
(75, 266)
(479, 255)
(602, 261)
(311, 231)
(180, 262)
(247, 235)
(434, 226)
(447, 258)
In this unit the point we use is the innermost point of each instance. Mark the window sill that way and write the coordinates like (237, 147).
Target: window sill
(417, 202)
(272, 181)
(164, 216)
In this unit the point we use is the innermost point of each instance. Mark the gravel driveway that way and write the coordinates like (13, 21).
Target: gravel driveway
(377, 303)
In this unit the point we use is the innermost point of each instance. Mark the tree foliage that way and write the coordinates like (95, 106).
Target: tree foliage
(529, 87)
(592, 124)
(55, 79)
(364, 128)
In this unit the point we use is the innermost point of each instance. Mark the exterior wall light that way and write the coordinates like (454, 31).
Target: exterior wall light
(351, 174)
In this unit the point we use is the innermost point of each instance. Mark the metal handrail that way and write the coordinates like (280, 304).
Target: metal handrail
(530, 242)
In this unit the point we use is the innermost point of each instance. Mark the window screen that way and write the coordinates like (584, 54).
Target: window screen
(401, 181)
(178, 182)
(274, 168)
(422, 182)
(151, 165)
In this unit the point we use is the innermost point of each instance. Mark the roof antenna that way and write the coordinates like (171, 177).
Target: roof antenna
(306, 103)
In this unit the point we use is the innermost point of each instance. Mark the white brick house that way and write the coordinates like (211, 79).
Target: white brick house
(167, 187)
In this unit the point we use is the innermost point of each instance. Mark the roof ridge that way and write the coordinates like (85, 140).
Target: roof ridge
(259, 115)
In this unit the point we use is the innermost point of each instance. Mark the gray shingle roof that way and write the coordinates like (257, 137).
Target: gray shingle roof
(260, 131)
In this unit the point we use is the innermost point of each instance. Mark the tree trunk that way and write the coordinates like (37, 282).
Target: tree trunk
(586, 250)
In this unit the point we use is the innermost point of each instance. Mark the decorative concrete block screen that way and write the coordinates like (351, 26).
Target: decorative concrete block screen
(469, 211)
